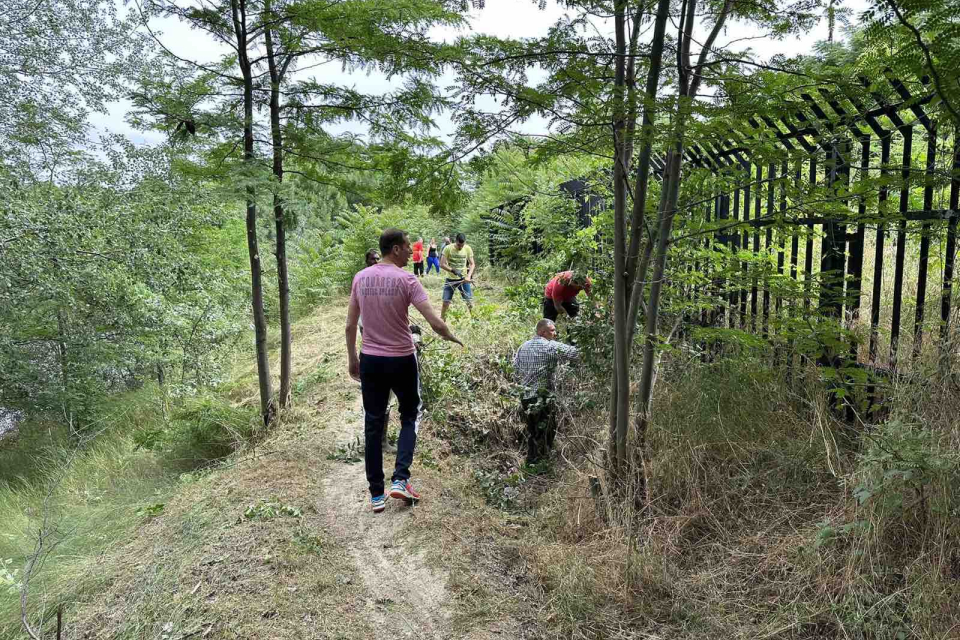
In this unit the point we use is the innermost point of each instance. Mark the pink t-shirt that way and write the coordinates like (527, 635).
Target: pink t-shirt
(385, 293)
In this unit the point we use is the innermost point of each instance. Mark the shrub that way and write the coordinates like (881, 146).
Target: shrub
(205, 428)
(325, 262)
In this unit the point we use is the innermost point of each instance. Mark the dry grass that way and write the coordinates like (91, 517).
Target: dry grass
(205, 568)
(753, 529)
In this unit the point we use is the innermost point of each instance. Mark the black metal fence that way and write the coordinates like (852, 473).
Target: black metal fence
(847, 209)
(860, 211)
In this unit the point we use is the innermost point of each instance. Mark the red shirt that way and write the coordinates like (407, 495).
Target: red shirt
(418, 251)
(561, 287)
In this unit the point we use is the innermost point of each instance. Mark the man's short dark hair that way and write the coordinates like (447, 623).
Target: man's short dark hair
(370, 253)
(543, 324)
(391, 238)
(461, 237)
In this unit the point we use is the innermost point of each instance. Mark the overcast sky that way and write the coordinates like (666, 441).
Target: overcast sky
(504, 18)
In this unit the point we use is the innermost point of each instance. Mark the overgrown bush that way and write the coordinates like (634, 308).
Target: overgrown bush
(205, 428)
(324, 262)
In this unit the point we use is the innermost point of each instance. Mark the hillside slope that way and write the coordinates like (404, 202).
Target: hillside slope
(749, 534)
(280, 541)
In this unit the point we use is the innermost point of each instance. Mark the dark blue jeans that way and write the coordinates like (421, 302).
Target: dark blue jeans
(378, 376)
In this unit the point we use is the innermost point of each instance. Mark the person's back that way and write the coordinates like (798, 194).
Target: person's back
(535, 364)
(382, 294)
(385, 293)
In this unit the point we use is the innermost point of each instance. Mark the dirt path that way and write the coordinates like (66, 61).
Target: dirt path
(407, 597)
(214, 563)
(407, 593)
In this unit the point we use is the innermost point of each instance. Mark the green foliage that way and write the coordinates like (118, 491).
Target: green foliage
(204, 429)
(151, 510)
(350, 453)
(443, 378)
(309, 542)
(499, 491)
(325, 263)
(58, 62)
(270, 509)
(902, 465)
(538, 211)
(120, 274)
(913, 39)
(9, 577)
(93, 495)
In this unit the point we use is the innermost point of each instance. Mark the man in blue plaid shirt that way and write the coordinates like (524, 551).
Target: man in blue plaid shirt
(535, 364)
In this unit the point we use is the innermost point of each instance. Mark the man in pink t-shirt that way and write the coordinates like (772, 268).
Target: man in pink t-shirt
(383, 293)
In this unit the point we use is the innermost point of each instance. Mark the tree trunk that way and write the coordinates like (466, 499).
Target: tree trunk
(256, 271)
(621, 387)
(278, 214)
(667, 211)
(629, 308)
(689, 83)
(66, 403)
(646, 148)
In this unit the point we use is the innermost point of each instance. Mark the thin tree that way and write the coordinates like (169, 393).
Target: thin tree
(176, 101)
(241, 28)
(689, 78)
(278, 69)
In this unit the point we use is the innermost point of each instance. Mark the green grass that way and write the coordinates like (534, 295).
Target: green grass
(767, 516)
(96, 493)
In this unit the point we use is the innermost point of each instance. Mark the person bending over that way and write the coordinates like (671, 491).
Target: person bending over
(456, 259)
(535, 365)
(383, 294)
(560, 294)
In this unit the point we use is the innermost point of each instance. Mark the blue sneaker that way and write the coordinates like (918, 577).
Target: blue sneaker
(379, 503)
(403, 490)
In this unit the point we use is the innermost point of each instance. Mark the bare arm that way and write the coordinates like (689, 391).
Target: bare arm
(353, 362)
(471, 266)
(438, 325)
(558, 305)
(445, 265)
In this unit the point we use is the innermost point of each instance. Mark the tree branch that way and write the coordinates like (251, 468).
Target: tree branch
(708, 45)
(928, 57)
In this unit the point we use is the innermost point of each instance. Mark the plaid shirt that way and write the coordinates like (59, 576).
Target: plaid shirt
(536, 362)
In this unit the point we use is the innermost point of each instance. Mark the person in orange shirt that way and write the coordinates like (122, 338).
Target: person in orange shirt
(560, 294)
(418, 257)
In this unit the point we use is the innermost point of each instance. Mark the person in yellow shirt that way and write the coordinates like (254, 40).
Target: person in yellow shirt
(456, 259)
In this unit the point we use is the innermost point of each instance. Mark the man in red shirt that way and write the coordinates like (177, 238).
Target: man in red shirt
(418, 257)
(560, 294)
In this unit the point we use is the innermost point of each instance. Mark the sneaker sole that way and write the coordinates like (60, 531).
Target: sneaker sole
(403, 495)
(379, 509)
